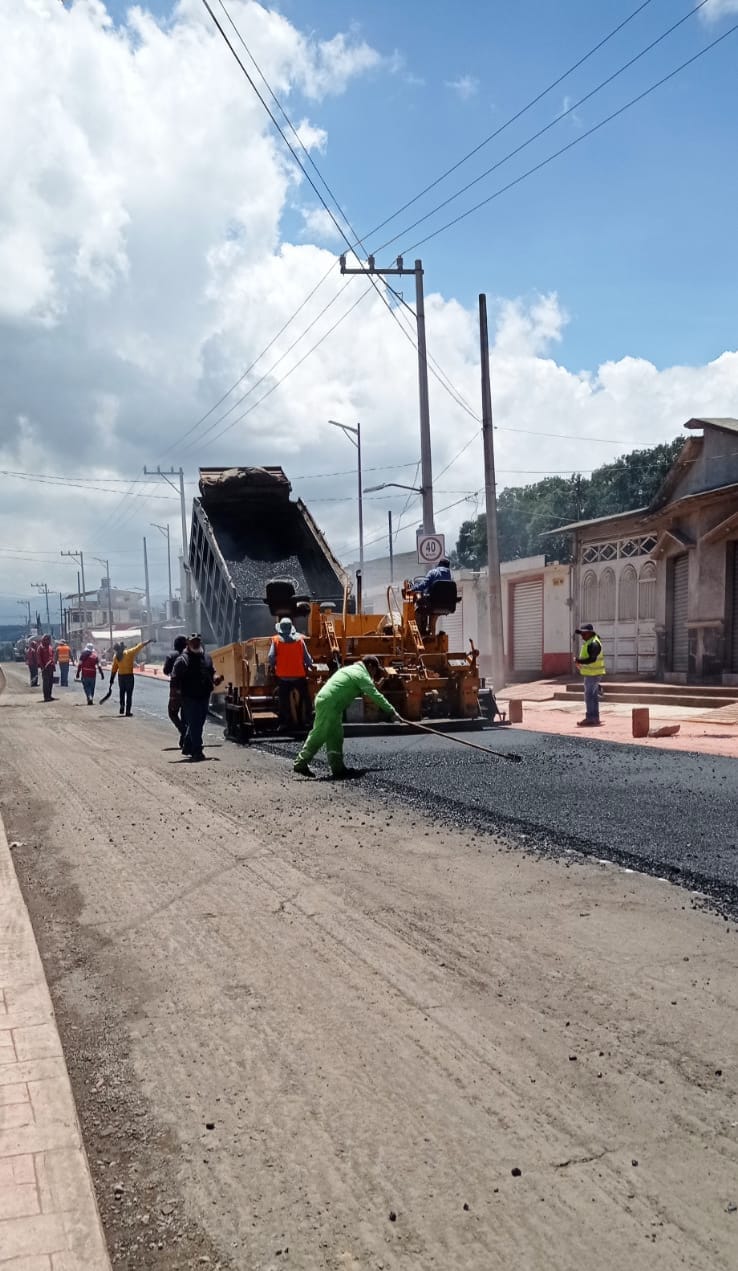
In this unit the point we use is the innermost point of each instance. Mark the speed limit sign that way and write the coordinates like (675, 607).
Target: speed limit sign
(431, 547)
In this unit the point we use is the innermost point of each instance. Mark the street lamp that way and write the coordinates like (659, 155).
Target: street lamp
(354, 436)
(164, 529)
(106, 563)
(417, 489)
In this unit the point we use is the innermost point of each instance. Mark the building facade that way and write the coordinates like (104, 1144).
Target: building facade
(660, 583)
(91, 612)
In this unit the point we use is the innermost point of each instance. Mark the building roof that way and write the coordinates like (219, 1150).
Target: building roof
(597, 520)
(725, 423)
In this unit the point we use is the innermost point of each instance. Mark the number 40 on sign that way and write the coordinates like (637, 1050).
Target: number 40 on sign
(431, 547)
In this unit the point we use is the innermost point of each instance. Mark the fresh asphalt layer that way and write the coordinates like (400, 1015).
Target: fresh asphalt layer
(668, 813)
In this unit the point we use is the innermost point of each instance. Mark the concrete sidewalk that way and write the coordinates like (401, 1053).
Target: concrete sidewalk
(48, 1214)
(696, 732)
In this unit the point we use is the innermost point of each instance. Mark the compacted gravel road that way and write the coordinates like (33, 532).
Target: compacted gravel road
(356, 1027)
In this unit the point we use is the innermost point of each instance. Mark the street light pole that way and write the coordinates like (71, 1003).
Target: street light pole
(80, 556)
(164, 529)
(354, 436)
(425, 434)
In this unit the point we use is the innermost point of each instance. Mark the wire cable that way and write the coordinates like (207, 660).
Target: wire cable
(512, 119)
(542, 131)
(576, 140)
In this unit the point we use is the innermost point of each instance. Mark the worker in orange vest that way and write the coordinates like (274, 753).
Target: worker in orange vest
(63, 658)
(290, 661)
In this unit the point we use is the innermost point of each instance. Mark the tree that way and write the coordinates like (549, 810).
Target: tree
(525, 513)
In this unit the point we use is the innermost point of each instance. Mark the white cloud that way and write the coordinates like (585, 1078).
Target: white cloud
(717, 9)
(465, 86)
(143, 266)
(318, 226)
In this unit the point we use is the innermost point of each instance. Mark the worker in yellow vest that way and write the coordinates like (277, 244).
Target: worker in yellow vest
(289, 661)
(591, 664)
(63, 658)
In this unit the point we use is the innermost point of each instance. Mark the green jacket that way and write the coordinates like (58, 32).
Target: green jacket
(346, 685)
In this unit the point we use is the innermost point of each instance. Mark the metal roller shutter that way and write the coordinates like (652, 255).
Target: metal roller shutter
(528, 626)
(734, 632)
(453, 625)
(680, 602)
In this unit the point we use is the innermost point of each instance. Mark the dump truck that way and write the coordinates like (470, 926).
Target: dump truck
(246, 533)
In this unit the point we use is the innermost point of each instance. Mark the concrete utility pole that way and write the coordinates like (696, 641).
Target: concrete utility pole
(43, 588)
(354, 436)
(148, 591)
(494, 585)
(426, 465)
(83, 599)
(391, 548)
(164, 529)
(179, 473)
(106, 563)
(27, 606)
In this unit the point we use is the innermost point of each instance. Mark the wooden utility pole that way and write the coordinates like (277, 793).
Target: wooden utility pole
(494, 585)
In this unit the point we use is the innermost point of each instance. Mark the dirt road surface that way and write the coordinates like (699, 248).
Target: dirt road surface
(307, 1028)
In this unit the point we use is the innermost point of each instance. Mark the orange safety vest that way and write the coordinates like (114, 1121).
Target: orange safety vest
(63, 652)
(289, 663)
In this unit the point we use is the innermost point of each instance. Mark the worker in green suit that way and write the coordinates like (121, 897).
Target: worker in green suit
(358, 680)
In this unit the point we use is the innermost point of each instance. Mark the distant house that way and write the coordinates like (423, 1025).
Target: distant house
(89, 615)
(660, 583)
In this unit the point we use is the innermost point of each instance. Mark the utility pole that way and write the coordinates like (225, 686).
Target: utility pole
(79, 555)
(179, 473)
(391, 549)
(61, 615)
(79, 611)
(27, 606)
(43, 588)
(106, 563)
(494, 586)
(354, 436)
(148, 591)
(164, 529)
(426, 465)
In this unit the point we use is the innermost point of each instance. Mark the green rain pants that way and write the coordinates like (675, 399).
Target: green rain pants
(326, 731)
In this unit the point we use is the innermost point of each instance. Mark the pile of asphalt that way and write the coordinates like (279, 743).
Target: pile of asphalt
(251, 576)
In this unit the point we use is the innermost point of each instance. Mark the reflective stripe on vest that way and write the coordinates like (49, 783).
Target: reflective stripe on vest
(592, 668)
(290, 662)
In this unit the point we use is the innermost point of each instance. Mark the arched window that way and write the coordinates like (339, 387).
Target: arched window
(647, 592)
(628, 595)
(606, 596)
(589, 596)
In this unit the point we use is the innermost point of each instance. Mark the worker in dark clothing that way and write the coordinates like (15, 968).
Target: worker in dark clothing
(591, 664)
(174, 709)
(193, 676)
(46, 661)
(440, 573)
(290, 661)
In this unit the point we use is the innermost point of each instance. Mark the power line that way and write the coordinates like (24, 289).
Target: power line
(287, 374)
(443, 381)
(541, 131)
(575, 142)
(511, 120)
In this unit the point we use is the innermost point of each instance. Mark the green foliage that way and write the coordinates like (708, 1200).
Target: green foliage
(527, 512)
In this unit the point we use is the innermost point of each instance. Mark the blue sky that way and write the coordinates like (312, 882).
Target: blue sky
(634, 228)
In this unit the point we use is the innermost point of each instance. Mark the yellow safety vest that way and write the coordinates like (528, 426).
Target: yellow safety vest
(592, 668)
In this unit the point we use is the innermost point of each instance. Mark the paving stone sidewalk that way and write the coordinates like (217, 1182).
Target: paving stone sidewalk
(48, 1213)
